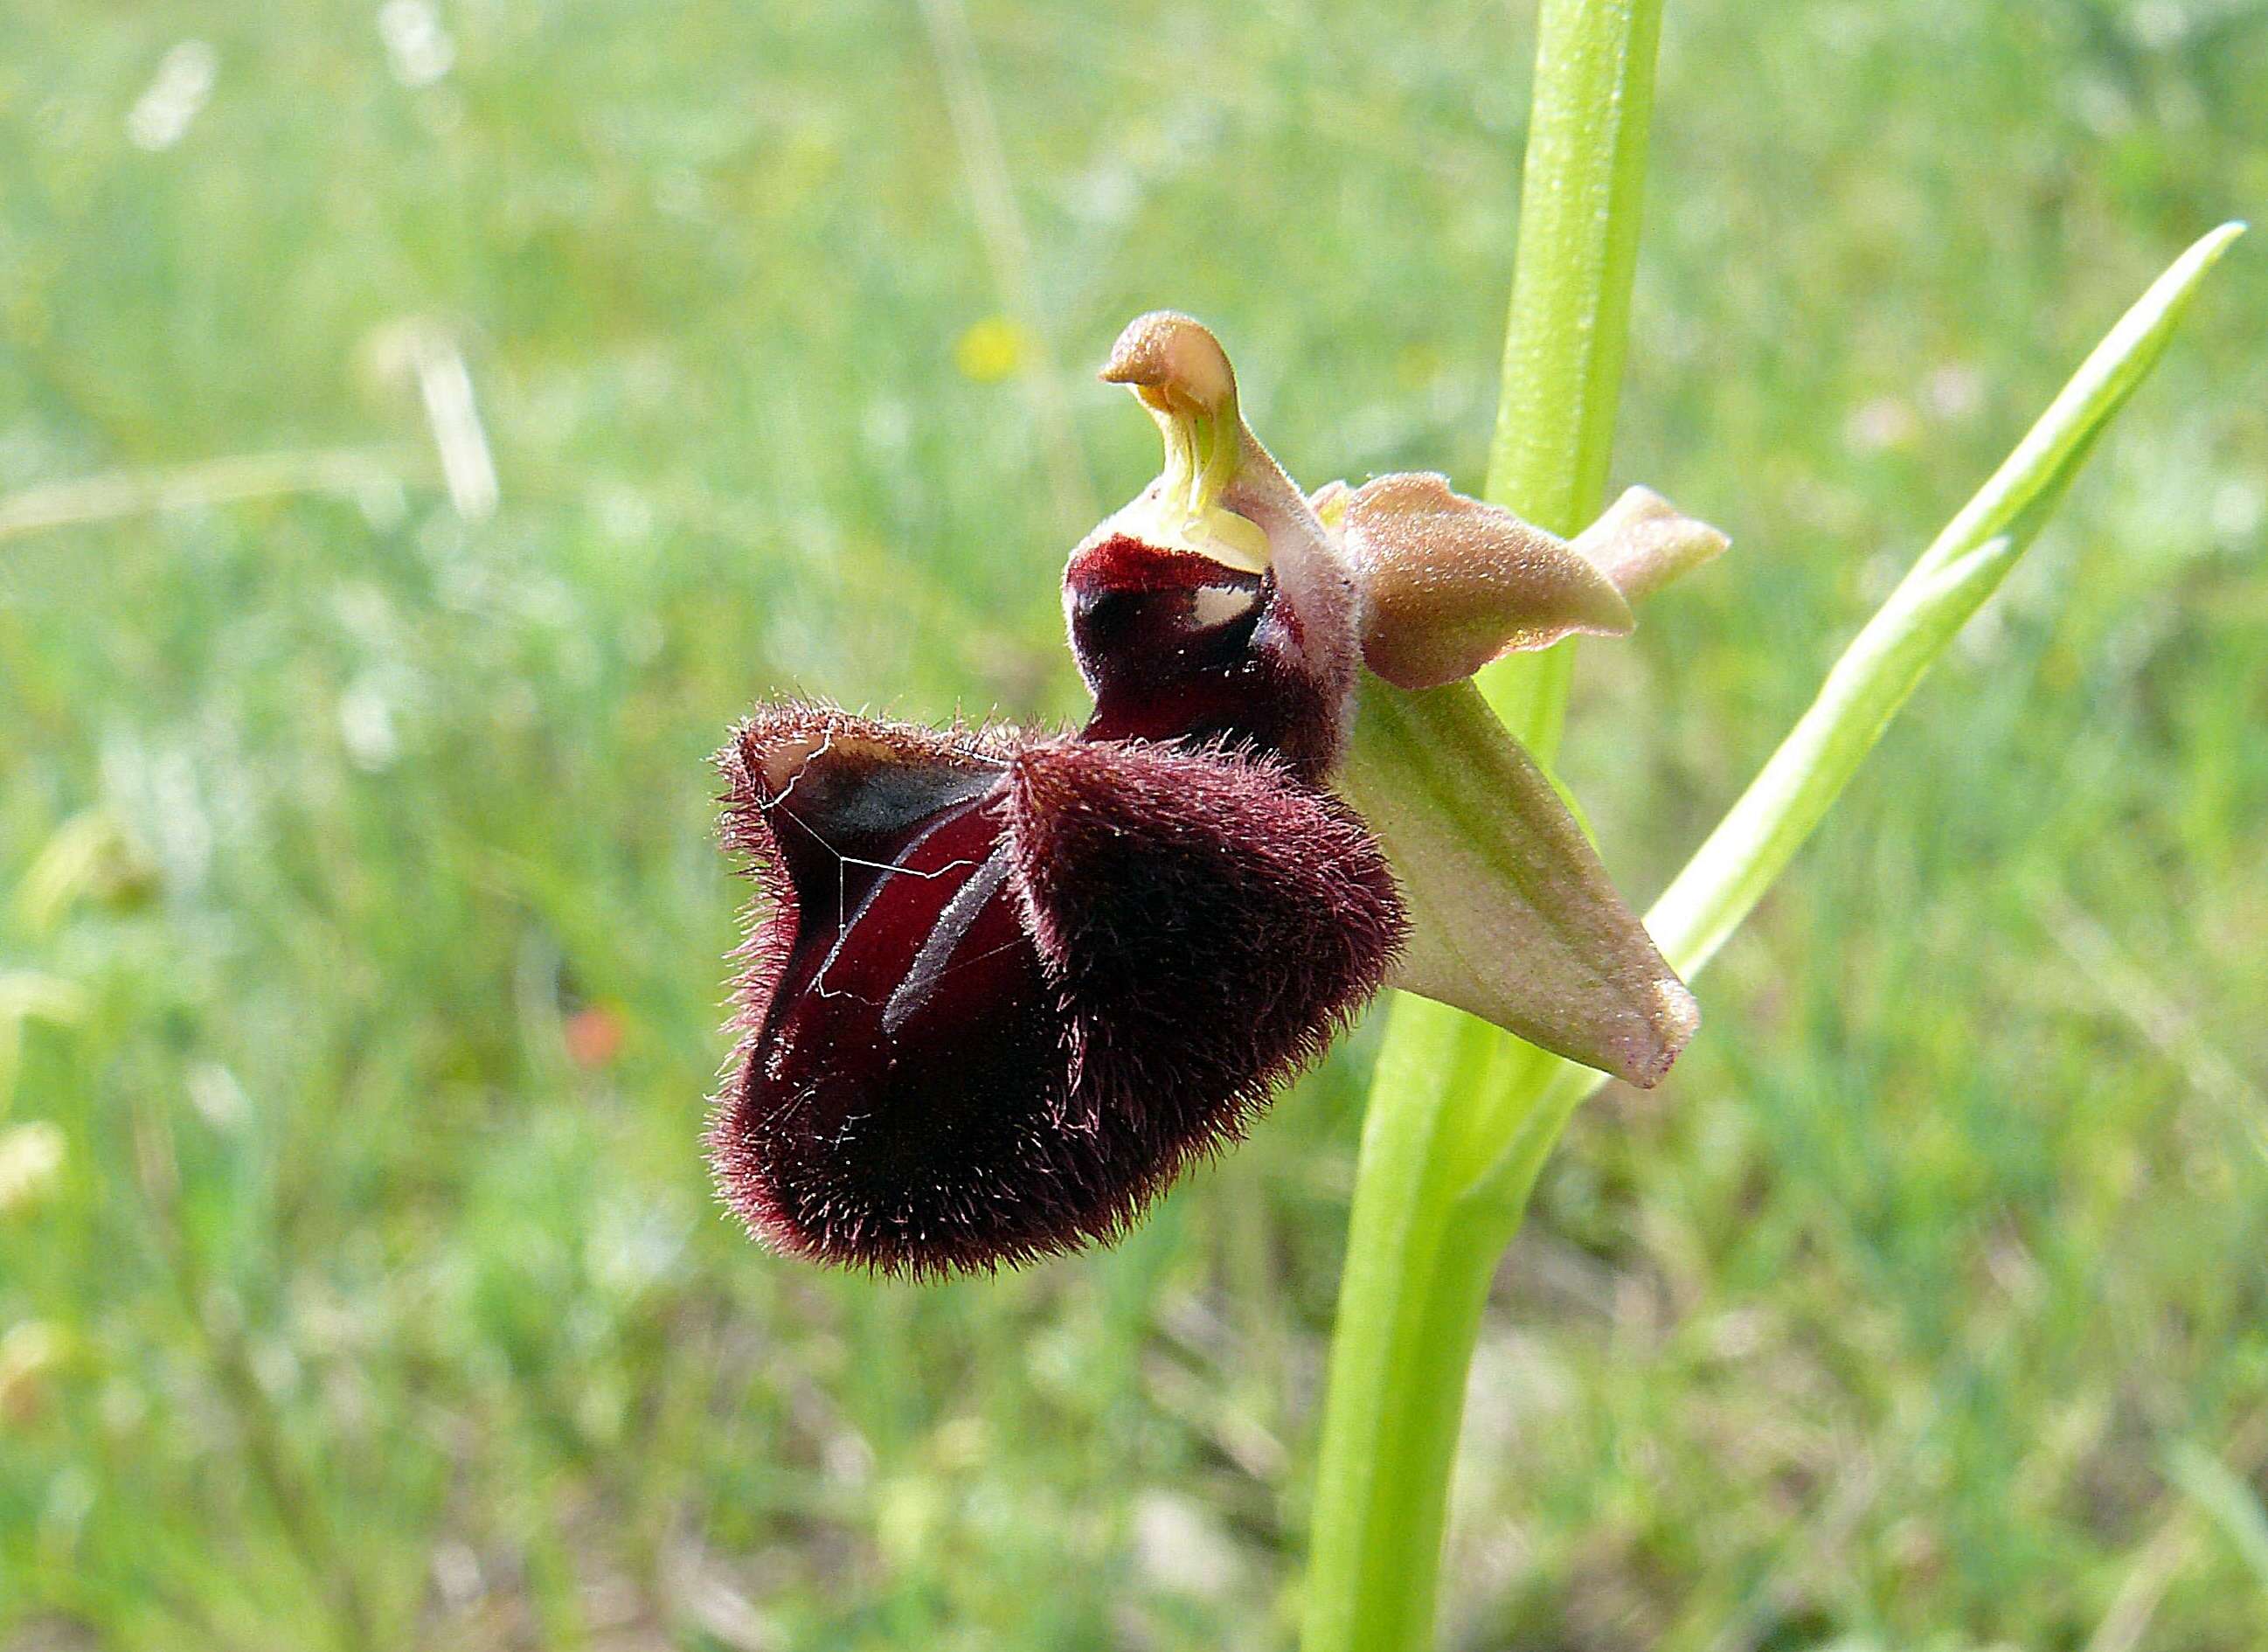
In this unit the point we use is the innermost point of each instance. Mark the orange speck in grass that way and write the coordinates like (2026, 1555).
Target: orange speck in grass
(593, 1037)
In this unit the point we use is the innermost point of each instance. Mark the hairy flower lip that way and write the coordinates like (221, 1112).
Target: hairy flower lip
(1106, 957)
(1175, 646)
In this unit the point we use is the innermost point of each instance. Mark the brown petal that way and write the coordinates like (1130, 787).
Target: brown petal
(1453, 583)
(1643, 541)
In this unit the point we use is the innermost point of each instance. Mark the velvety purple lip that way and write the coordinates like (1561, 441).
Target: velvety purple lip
(1002, 995)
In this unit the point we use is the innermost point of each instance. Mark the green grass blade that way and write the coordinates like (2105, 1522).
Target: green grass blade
(2226, 1498)
(1964, 565)
(1790, 795)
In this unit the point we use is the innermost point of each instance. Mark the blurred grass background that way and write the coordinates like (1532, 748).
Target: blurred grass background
(360, 927)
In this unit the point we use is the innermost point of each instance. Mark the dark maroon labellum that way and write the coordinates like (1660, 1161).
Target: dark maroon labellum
(1000, 988)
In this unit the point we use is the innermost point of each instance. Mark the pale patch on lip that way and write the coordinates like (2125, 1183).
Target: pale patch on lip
(1214, 605)
(783, 764)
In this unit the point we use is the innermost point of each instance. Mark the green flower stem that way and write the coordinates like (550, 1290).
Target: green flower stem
(1415, 1279)
(1409, 1304)
(1461, 1116)
(1584, 181)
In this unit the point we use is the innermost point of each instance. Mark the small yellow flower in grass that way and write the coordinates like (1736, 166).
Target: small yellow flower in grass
(30, 1354)
(31, 1163)
(993, 350)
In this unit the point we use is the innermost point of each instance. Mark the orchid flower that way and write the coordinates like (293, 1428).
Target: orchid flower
(1001, 986)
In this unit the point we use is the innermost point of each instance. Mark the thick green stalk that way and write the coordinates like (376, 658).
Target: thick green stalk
(1416, 1276)
(1409, 1307)
(1579, 197)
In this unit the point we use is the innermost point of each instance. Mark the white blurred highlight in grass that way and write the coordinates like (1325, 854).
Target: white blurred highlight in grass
(417, 49)
(31, 1163)
(238, 476)
(445, 384)
(184, 82)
